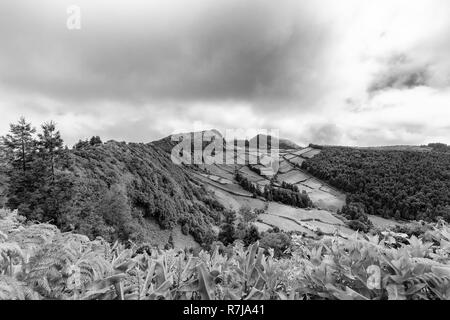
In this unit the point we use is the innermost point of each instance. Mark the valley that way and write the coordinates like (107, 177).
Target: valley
(126, 213)
(327, 200)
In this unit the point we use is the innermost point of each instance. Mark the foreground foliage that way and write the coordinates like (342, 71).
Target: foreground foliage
(37, 261)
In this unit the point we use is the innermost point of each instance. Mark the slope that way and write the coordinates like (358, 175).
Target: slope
(117, 189)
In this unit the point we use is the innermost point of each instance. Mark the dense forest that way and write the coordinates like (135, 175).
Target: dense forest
(102, 189)
(390, 183)
(439, 147)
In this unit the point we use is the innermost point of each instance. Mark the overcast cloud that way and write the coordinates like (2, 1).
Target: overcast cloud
(351, 72)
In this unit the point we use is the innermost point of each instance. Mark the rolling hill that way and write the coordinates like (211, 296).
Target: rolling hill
(126, 191)
(133, 191)
(403, 183)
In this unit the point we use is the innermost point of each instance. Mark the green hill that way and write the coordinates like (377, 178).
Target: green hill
(396, 183)
(117, 190)
(146, 185)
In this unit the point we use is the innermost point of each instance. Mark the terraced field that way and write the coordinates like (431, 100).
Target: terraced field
(283, 224)
(297, 161)
(326, 199)
(225, 172)
(311, 153)
(293, 177)
(285, 166)
(310, 219)
(322, 195)
(382, 222)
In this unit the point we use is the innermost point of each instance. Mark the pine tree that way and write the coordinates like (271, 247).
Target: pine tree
(227, 234)
(252, 235)
(95, 140)
(35, 188)
(170, 243)
(50, 146)
(20, 143)
(20, 149)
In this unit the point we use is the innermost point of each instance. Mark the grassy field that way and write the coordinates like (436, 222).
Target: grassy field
(320, 193)
(293, 177)
(290, 156)
(279, 209)
(311, 153)
(300, 152)
(285, 166)
(297, 161)
(284, 224)
(220, 171)
(382, 222)
(234, 202)
(313, 183)
(250, 175)
(218, 179)
(326, 199)
(294, 219)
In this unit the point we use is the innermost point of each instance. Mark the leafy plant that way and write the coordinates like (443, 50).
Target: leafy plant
(38, 261)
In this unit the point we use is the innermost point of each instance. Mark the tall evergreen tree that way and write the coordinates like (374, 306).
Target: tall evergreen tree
(20, 148)
(227, 233)
(20, 143)
(95, 140)
(50, 146)
(4, 164)
(35, 188)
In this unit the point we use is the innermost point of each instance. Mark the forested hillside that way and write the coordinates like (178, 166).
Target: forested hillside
(390, 183)
(135, 181)
(103, 189)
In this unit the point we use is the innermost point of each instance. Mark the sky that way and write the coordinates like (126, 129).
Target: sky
(347, 72)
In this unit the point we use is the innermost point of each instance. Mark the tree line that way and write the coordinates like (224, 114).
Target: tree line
(286, 193)
(407, 185)
(35, 161)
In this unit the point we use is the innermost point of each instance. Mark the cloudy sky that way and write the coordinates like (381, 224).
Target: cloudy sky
(349, 72)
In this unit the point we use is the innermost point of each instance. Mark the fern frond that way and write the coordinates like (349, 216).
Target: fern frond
(12, 289)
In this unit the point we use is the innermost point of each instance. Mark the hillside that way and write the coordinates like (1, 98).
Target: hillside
(396, 183)
(134, 192)
(110, 208)
(151, 186)
(240, 185)
(123, 191)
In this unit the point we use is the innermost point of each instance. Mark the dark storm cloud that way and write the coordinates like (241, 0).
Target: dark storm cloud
(328, 133)
(233, 50)
(400, 73)
(141, 69)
